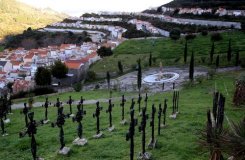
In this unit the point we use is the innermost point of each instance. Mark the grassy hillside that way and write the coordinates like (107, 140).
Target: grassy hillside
(16, 17)
(178, 141)
(168, 51)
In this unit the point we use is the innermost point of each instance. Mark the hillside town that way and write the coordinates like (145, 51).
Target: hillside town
(19, 66)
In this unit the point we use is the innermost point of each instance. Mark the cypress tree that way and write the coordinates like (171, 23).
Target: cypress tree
(185, 52)
(191, 69)
(120, 67)
(108, 78)
(139, 76)
(150, 60)
(229, 51)
(237, 59)
(212, 53)
(217, 62)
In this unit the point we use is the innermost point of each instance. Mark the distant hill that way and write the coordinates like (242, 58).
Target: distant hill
(15, 17)
(228, 4)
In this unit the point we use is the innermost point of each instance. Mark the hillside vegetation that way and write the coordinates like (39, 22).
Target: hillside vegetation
(178, 141)
(228, 4)
(16, 17)
(170, 52)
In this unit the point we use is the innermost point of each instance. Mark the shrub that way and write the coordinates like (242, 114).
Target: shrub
(175, 34)
(239, 95)
(77, 87)
(188, 84)
(211, 73)
(97, 86)
(190, 37)
(104, 51)
(200, 78)
(91, 76)
(204, 33)
(242, 62)
(216, 37)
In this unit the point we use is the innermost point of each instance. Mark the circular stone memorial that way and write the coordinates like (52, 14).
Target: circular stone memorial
(161, 77)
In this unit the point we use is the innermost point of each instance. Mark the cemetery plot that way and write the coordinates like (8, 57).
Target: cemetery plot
(113, 145)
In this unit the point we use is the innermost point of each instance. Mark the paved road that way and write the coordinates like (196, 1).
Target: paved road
(115, 99)
(92, 101)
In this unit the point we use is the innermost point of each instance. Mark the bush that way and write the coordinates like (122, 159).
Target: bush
(77, 87)
(104, 51)
(97, 86)
(200, 78)
(216, 37)
(242, 62)
(204, 33)
(239, 95)
(190, 37)
(175, 34)
(211, 73)
(188, 84)
(91, 76)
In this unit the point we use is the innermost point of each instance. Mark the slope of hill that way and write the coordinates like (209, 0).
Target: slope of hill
(16, 17)
(228, 4)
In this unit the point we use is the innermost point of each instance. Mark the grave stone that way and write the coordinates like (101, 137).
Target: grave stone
(60, 123)
(70, 101)
(164, 113)
(153, 141)
(109, 110)
(160, 111)
(46, 105)
(131, 132)
(80, 141)
(96, 115)
(139, 103)
(31, 130)
(124, 121)
(143, 155)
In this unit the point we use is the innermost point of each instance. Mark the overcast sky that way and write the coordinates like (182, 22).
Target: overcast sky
(77, 7)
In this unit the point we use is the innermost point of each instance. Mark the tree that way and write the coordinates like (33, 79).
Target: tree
(175, 34)
(217, 62)
(216, 37)
(150, 60)
(120, 67)
(104, 52)
(59, 69)
(29, 43)
(139, 76)
(108, 78)
(212, 53)
(159, 9)
(10, 87)
(43, 76)
(237, 59)
(185, 52)
(191, 69)
(229, 51)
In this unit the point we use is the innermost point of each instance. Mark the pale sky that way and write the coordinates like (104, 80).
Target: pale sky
(77, 7)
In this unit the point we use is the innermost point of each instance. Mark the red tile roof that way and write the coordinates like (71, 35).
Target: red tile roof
(74, 64)
(30, 55)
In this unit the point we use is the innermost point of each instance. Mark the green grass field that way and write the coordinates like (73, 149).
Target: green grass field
(178, 141)
(169, 52)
